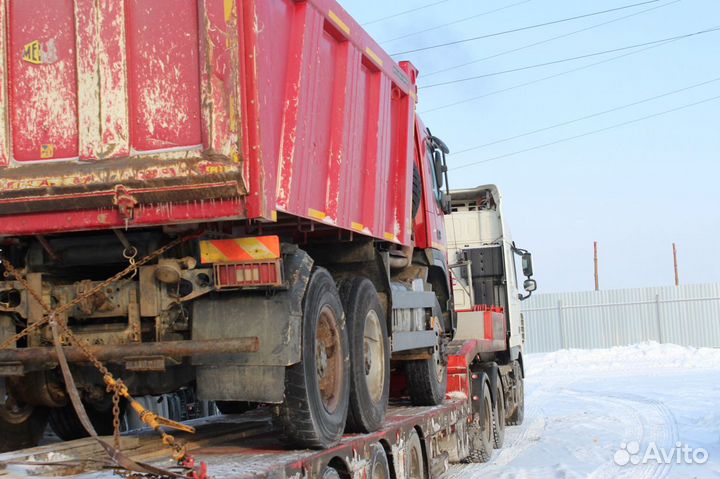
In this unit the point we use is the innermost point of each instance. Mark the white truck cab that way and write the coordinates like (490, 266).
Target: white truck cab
(482, 256)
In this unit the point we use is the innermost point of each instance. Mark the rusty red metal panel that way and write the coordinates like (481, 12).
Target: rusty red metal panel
(163, 74)
(61, 221)
(290, 116)
(4, 151)
(43, 79)
(264, 73)
(289, 104)
(88, 33)
(114, 121)
(220, 77)
(347, 129)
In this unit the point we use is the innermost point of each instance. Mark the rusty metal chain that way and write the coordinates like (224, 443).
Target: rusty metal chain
(131, 268)
(117, 387)
(116, 418)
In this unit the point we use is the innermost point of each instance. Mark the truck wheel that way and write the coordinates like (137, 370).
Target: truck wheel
(427, 378)
(67, 426)
(379, 466)
(21, 426)
(499, 417)
(369, 356)
(518, 414)
(414, 462)
(317, 389)
(480, 431)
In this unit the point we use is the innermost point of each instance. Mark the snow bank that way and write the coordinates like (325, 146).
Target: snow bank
(638, 356)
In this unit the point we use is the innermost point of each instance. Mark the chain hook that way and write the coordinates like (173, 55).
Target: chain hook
(130, 253)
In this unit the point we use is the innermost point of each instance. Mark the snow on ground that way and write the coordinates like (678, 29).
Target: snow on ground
(583, 405)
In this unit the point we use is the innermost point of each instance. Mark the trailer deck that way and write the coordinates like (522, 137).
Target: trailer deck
(246, 446)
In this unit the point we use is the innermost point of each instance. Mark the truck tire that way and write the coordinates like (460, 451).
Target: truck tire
(369, 356)
(20, 426)
(499, 416)
(427, 378)
(518, 415)
(414, 460)
(67, 426)
(317, 389)
(379, 465)
(480, 431)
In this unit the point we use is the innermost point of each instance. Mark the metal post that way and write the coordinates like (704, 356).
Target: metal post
(659, 318)
(675, 264)
(563, 339)
(597, 281)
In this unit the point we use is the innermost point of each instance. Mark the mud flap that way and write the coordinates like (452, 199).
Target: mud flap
(275, 317)
(476, 388)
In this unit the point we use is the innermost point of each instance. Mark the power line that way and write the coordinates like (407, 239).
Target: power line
(462, 20)
(542, 79)
(547, 40)
(528, 27)
(378, 20)
(563, 60)
(593, 132)
(586, 117)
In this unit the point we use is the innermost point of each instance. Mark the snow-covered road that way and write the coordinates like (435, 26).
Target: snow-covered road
(584, 407)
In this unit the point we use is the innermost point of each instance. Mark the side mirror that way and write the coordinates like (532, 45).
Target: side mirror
(527, 265)
(530, 285)
(445, 203)
(439, 167)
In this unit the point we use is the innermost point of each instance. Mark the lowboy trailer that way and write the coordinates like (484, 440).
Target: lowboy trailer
(234, 196)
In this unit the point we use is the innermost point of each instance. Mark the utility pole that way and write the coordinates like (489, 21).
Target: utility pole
(677, 276)
(597, 280)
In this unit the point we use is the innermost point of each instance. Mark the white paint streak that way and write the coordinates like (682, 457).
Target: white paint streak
(51, 108)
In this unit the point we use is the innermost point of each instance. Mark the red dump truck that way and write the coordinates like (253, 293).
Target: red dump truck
(235, 196)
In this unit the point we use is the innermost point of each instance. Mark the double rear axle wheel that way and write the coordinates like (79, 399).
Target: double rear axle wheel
(343, 380)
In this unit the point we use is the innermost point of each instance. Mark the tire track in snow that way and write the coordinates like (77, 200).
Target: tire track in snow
(658, 425)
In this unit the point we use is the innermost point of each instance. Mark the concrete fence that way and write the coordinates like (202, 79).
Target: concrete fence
(686, 315)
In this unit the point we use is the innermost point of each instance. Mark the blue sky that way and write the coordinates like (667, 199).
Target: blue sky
(634, 189)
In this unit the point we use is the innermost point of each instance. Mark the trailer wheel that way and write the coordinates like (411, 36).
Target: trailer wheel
(427, 378)
(379, 465)
(499, 416)
(330, 473)
(414, 461)
(480, 431)
(518, 415)
(21, 426)
(369, 356)
(67, 426)
(317, 389)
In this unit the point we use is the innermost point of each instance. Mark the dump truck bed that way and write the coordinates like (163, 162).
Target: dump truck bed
(158, 112)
